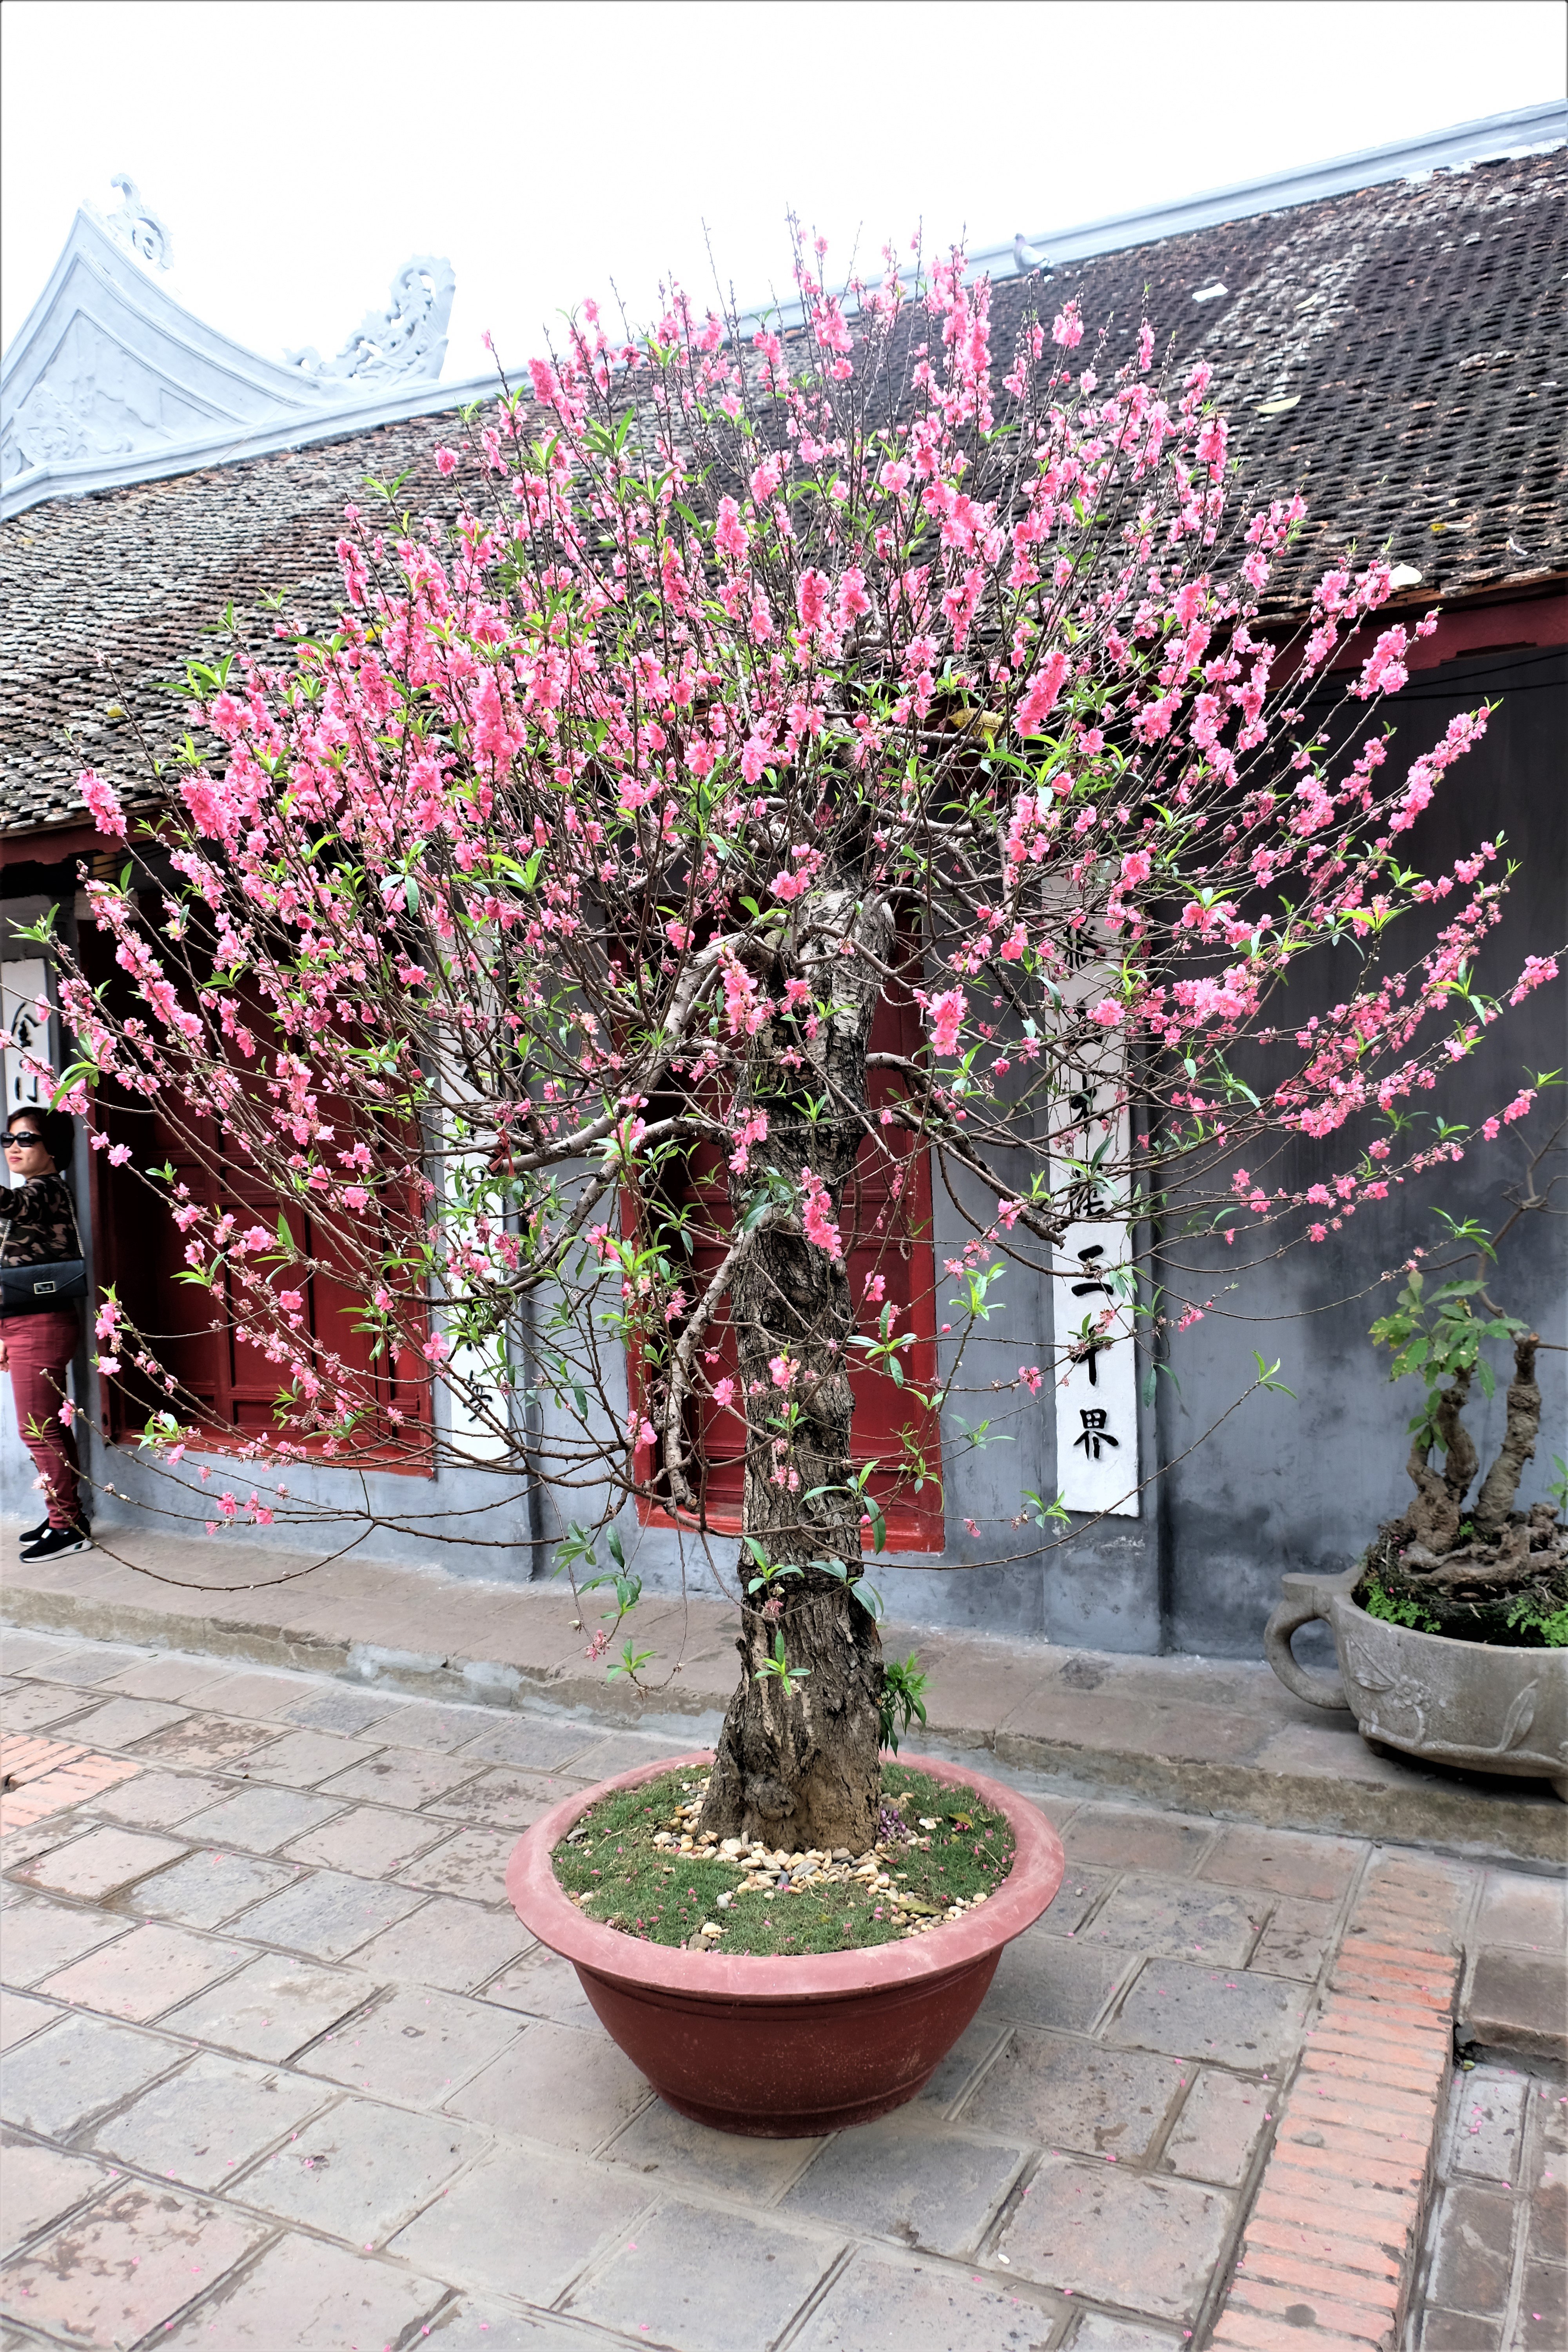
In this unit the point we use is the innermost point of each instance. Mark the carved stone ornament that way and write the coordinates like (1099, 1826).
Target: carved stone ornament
(137, 225)
(407, 339)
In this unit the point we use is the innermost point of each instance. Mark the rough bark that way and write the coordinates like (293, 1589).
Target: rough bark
(1433, 1518)
(1520, 1432)
(1460, 1460)
(797, 1763)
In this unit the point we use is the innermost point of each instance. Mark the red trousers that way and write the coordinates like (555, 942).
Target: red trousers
(38, 1348)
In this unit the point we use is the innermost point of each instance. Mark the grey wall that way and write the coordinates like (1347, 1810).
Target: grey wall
(1281, 1486)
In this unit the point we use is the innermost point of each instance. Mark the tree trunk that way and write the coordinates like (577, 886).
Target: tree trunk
(1500, 1486)
(797, 1763)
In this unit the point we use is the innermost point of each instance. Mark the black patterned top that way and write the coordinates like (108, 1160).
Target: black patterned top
(38, 1223)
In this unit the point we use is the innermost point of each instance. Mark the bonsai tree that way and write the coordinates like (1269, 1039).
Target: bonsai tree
(525, 929)
(1468, 1566)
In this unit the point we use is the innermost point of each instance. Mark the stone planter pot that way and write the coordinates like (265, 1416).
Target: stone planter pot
(784, 2049)
(1465, 1702)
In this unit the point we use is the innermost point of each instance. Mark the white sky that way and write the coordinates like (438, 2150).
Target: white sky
(299, 151)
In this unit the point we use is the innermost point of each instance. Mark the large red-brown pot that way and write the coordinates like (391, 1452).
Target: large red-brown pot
(784, 2049)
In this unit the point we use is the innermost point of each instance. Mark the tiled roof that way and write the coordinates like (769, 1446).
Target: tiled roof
(1418, 327)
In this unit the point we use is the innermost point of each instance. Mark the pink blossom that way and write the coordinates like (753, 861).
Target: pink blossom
(811, 599)
(1031, 1376)
(446, 461)
(723, 1394)
(1040, 700)
(947, 1016)
(1108, 1013)
(104, 803)
(817, 1215)
(1068, 328)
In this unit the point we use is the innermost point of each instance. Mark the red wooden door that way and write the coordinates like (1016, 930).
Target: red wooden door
(886, 1221)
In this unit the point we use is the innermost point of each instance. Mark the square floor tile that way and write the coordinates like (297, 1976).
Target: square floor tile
(474, 1864)
(204, 2123)
(121, 1720)
(417, 2047)
(145, 1973)
(83, 2065)
(263, 1696)
(156, 1800)
(409, 1777)
(274, 2006)
(881, 2304)
(541, 1984)
(902, 2177)
(327, 1914)
(1181, 1918)
(524, 2222)
(1055, 1982)
(300, 1758)
(1224, 2014)
(21, 2017)
(358, 2171)
(203, 1741)
(1055, 2092)
(310, 2297)
(542, 1745)
(1288, 1862)
(504, 1797)
(556, 2085)
(1074, 1899)
(673, 2151)
(338, 1709)
(454, 1945)
(259, 1820)
(120, 2268)
(99, 1864)
(208, 1887)
(709, 2281)
(41, 2183)
(41, 1706)
(1146, 2243)
(1222, 2119)
(41, 1937)
(1134, 1837)
(366, 1839)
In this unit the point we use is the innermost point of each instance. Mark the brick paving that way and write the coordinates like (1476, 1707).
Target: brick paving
(282, 2068)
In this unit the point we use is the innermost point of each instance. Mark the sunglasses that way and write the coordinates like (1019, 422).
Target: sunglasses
(23, 1142)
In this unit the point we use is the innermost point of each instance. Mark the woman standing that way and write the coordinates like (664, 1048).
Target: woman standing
(39, 1227)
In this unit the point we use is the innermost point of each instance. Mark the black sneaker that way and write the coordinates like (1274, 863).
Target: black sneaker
(31, 1535)
(55, 1541)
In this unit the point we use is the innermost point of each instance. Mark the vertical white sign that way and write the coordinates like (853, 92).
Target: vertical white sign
(1096, 1360)
(23, 985)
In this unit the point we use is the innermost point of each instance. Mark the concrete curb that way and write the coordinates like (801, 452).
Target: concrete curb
(995, 1703)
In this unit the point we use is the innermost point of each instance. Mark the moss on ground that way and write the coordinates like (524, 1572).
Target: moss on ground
(613, 1867)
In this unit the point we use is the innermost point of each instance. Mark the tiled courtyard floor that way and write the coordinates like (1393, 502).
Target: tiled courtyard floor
(283, 2070)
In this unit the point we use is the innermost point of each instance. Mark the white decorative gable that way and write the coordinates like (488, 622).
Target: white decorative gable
(111, 379)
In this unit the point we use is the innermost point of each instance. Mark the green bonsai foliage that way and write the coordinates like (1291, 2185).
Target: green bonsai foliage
(1469, 1567)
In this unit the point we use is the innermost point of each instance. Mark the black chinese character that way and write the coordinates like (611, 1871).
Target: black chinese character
(1095, 1434)
(1085, 1258)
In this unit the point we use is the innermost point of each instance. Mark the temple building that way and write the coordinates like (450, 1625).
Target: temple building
(1386, 334)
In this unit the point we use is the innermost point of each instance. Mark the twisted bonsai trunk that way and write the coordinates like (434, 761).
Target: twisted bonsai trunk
(797, 1761)
(1519, 1433)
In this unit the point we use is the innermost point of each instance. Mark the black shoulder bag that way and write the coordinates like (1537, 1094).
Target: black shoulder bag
(37, 1289)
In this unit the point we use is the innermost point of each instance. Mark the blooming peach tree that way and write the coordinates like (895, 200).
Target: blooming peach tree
(525, 931)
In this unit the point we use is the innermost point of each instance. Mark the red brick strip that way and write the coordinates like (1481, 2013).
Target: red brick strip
(39, 1777)
(1330, 2252)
